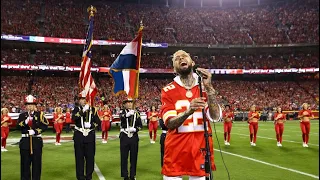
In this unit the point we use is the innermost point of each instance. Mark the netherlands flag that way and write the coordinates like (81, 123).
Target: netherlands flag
(125, 69)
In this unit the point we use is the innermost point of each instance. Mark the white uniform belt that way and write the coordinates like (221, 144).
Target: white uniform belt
(164, 131)
(27, 135)
(83, 130)
(123, 130)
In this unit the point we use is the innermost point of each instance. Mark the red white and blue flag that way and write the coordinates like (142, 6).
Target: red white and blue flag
(86, 81)
(125, 69)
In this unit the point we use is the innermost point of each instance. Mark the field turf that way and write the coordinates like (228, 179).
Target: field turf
(266, 161)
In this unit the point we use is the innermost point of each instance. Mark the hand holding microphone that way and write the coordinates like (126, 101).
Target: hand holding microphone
(195, 104)
(206, 78)
(204, 73)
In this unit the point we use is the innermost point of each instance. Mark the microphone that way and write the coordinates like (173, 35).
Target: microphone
(194, 68)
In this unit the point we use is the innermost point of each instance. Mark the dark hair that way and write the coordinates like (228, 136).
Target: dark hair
(155, 108)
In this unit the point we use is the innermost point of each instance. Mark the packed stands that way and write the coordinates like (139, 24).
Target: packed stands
(151, 60)
(60, 91)
(278, 23)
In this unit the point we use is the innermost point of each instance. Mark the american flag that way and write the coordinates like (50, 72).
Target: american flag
(86, 81)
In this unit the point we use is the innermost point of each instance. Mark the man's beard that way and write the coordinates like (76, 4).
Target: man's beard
(184, 72)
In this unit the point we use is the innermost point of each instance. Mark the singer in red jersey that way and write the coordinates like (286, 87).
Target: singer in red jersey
(153, 123)
(228, 116)
(253, 118)
(182, 114)
(5, 122)
(105, 122)
(58, 123)
(279, 119)
(305, 115)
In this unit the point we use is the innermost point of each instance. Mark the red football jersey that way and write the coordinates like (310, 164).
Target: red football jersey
(183, 145)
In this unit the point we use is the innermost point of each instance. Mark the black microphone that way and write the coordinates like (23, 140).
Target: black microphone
(194, 68)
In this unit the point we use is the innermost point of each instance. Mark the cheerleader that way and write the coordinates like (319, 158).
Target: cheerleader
(279, 119)
(5, 123)
(58, 123)
(153, 124)
(105, 123)
(228, 116)
(253, 118)
(305, 115)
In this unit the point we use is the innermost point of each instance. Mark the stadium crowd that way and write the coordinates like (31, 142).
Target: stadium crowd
(148, 60)
(290, 22)
(57, 91)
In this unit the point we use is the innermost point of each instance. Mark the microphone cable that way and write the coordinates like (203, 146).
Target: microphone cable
(215, 132)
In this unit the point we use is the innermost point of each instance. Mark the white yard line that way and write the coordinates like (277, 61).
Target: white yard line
(270, 138)
(269, 164)
(97, 170)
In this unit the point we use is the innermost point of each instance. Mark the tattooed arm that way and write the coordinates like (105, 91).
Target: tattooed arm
(214, 107)
(177, 121)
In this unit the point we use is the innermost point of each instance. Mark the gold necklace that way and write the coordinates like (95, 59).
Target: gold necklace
(189, 93)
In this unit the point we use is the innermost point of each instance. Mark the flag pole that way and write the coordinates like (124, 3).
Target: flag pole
(137, 82)
(91, 10)
(139, 58)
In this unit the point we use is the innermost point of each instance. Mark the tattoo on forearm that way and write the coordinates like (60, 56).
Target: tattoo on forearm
(210, 90)
(214, 109)
(177, 121)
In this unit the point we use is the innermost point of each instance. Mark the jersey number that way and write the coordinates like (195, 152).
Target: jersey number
(194, 123)
(169, 87)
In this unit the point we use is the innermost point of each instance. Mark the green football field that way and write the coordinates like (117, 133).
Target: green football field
(266, 161)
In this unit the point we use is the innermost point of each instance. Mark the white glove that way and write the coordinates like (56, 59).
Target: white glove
(87, 125)
(28, 119)
(131, 112)
(31, 132)
(85, 108)
(132, 129)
